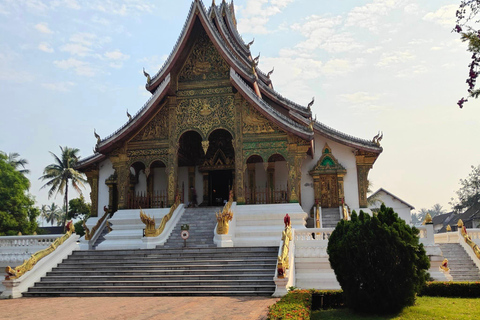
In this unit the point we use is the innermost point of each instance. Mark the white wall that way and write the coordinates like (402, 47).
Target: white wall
(345, 157)
(141, 185)
(160, 181)
(399, 207)
(105, 171)
(281, 175)
(260, 176)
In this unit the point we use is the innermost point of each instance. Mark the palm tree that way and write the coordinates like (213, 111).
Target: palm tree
(61, 173)
(52, 213)
(16, 163)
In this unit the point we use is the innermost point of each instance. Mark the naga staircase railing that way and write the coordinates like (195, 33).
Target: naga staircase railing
(150, 230)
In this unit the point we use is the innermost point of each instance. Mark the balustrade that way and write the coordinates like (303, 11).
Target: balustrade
(157, 199)
(265, 196)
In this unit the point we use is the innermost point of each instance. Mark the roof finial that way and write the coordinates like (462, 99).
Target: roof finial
(148, 76)
(257, 58)
(96, 135)
(213, 3)
(250, 43)
(378, 138)
(270, 73)
(129, 116)
(309, 107)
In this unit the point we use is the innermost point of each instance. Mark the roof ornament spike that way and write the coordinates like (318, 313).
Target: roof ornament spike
(147, 75)
(310, 125)
(96, 136)
(375, 138)
(309, 107)
(213, 3)
(129, 116)
(270, 72)
(380, 138)
(257, 58)
(250, 43)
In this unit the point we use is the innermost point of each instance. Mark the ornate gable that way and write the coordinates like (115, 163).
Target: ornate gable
(156, 129)
(328, 164)
(204, 62)
(254, 122)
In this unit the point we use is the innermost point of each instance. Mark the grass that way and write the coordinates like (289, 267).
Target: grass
(424, 308)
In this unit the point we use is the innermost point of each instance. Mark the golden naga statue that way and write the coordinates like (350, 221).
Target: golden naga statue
(17, 272)
(282, 262)
(449, 228)
(444, 266)
(90, 233)
(149, 222)
(468, 239)
(224, 216)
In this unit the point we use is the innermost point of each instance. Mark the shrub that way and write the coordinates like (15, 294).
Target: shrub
(332, 299)
(378, 261)
(79, 228)
(294, 305)
(452, 289)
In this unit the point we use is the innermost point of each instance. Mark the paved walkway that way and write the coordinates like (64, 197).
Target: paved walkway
(119, 308)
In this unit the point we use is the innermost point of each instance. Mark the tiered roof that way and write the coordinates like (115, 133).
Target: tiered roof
(219, 24)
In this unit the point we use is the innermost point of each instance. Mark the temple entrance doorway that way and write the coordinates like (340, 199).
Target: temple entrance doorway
(218, 167)
(220, 183)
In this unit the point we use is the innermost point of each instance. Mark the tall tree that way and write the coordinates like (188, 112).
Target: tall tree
(16, 163)
(469, 193)
(435, 210)
(61, 173)
(78, 208)
(467, 27)
(53, 214)
(17, 211)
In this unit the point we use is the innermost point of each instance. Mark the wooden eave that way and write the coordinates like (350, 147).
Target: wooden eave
(267, 111)
(197, 10)
(139, 120)
(345, 139)
(92, 161)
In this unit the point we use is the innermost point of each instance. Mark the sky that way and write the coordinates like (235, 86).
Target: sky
(68, 67)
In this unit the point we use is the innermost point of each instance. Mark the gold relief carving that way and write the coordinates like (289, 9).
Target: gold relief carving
(199, 92)
(254, 122)
(204, 62)
(189, 114)
(147, 152)
(92, 179)
(156, 129)
(205, 145)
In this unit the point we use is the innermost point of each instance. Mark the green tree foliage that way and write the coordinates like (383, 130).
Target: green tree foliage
(469, 193)
(78, 208)
(378, 261)
(467, 27)
(61, 173)
(17, 211)
(435, 210)
(79, 230)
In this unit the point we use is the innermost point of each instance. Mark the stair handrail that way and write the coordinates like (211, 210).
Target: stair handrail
(468, 240)
(150, 230)
(285, 270)
(17, 272)
(224, 216)
(100, 225)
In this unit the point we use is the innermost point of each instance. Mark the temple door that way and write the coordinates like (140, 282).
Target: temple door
(328, 191)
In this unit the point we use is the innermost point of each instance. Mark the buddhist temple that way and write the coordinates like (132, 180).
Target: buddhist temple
(215, 123)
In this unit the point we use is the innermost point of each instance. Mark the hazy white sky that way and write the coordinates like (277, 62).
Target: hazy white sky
(67, 67)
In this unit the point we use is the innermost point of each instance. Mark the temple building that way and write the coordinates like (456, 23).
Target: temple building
(215, 123)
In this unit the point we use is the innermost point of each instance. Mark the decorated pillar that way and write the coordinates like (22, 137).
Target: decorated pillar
(172, 165)
(92, 179)
(111, 182)
(297, 150)
(365, 162)
(238, 147)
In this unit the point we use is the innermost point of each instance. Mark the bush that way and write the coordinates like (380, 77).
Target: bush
(294, 305)
(378, 261)
(332, 299)
(452, 289)
(79, 228)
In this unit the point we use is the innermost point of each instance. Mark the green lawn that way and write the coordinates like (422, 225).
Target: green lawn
(424, 308)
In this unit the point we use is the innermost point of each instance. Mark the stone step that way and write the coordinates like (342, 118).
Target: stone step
(149, 293)
(153, 278)
(165, 273)
(462, 268)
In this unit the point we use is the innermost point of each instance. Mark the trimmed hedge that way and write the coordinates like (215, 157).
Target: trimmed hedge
(451, 289)
(297, 304)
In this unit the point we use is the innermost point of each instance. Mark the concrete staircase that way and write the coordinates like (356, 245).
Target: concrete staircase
(202, 223)
(162, 272)
(462, 268)
(330, 217)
